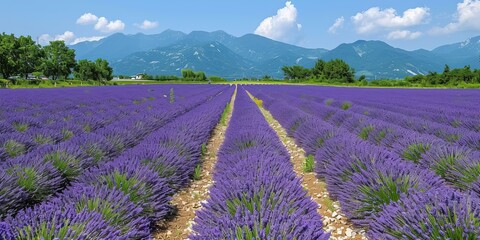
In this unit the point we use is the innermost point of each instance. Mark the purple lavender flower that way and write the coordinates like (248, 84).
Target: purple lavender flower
(143, 186)
(114, 206)
(443, 214)
(47, 221)
(5, 232)
(383, 183)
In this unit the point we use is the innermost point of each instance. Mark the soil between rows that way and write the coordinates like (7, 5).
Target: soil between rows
(333, 220)
(188, 200)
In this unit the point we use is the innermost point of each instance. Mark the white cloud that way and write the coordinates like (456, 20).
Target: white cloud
(338, 24)
(103, 25)
(403, 34)
(67, 37)
(467, 17)
(283, 26)
(147, 25)
(86, 39)
(376, 19)
(87, 19)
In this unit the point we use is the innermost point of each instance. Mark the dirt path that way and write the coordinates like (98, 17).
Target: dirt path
(333, 220)
(189, 200)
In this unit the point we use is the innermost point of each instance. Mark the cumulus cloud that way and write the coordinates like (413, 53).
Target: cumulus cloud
(147, 25)
(67, 37)
(338, 24)
(101, 23)
(87, 19)
(283, 26)
(376, 19)
(404, 34)
(467, 17)
(87, 39)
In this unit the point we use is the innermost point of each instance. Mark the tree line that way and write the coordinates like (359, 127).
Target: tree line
(335, 70)
(338, 71)
(449, 77)
(23, 56)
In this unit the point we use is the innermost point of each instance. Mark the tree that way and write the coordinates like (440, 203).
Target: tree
(339, 70)
(319, 68)
(59, 60)
(98, 70)
(29, 55)
(103, 70)
(200, 76)
(8, 55)
(296, 72)
(188, 73)
(84, 70)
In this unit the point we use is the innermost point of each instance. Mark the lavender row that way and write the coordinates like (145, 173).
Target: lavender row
(39, 104)
(457, 108)
(69, 125)
(373, 184)
(388, 120)
(256, 194)
(451, 117)
(128, 195)
(57, 129)
(52, 129)
(32, 102)
(458, 164)
(31, 178)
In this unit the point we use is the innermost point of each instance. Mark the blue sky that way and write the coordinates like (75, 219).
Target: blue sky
(407, 24)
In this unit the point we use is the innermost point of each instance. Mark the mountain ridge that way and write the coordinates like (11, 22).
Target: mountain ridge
(252, 55)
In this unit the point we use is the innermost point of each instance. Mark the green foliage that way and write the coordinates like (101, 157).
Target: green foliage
(414, 151)
(66, 134)
(59, 60)
(458, 77)
(389, 190)
(197, 173)
(42, 139)
(217, 79)
(328, 102)
(98, 70)
(346, 105)
(13, 148)
(309, 164)
(296, 72)
(51, 231)
(20, 127)
(4, 83)
(329, 204)
(335, 70)
(257, 101)
(27, 178)
(29, 55)
(223, 119)
(128, 185)
(189, 74)
(8, 55)
(65, 163)
(204, 149)
(365, 132)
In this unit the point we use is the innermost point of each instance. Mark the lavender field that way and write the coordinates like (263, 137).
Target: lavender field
(109, 162)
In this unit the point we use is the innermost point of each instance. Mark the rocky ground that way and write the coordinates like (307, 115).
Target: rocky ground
(333, 220)
(189, 200)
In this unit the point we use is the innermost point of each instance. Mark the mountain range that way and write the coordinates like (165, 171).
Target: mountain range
(221, 54)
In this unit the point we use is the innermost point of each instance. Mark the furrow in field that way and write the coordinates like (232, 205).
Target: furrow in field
(334, 221)
(188, 200)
